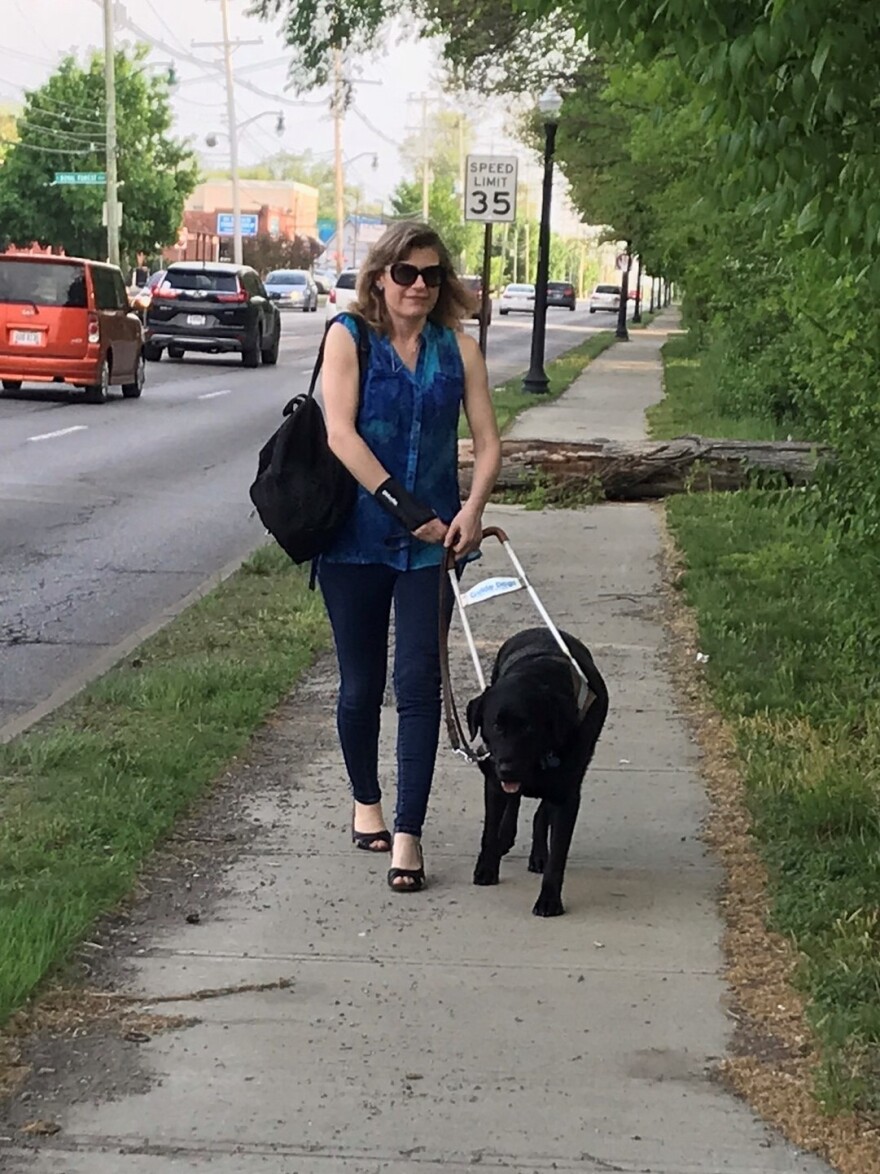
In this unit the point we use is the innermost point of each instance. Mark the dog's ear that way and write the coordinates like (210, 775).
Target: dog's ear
(475, 715)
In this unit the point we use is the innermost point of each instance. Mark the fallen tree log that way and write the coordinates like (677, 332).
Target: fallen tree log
(636, 470)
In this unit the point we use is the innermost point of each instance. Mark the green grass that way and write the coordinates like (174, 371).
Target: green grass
(86, 796)
(691, 406)
(792, 629)
(510, 399)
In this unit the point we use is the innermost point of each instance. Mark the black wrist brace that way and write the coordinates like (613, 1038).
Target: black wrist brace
(402, 506)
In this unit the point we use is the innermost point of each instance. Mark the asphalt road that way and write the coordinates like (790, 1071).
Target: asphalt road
(111, 513)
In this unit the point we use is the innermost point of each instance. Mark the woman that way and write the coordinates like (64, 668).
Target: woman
(397, 434)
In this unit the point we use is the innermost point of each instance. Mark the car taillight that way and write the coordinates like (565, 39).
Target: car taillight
(332, 298)
(239, 296)
(94, 328)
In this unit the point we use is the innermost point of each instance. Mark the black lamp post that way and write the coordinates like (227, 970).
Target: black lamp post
(621, 332)
(549, 105)
(637, 315)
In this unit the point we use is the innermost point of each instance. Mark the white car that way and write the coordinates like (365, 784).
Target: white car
(605, 297)
(343, 293)
(292, 289)
(517, 298)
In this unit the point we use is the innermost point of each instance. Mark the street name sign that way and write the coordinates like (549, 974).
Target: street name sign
(80, 177)
(226, 224)
(490, 189)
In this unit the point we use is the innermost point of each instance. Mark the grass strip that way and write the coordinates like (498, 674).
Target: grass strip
(510, 399)
(85, 796)
(691, 404)
(791, 626)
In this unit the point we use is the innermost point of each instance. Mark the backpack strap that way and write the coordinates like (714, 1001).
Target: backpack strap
(363, 350)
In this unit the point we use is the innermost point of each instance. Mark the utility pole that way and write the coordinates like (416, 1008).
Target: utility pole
(237, 251)
(426, 159)
(338, 110)
(228, 46)
(110, 100)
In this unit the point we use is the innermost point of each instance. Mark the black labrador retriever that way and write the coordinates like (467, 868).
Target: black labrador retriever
(540, 744)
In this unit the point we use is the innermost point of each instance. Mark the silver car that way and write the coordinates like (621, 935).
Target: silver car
(292, 289)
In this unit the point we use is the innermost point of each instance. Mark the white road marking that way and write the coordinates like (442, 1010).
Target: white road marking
(214, 394)
(60, 432)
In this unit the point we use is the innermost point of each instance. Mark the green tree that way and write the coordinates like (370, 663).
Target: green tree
(61, 128)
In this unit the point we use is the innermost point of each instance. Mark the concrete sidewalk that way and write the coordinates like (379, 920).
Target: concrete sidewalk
(452, 1030)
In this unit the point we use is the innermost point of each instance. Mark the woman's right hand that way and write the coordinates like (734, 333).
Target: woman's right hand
(433, 531)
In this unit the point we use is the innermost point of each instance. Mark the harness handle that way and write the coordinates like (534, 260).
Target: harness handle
(458, 739)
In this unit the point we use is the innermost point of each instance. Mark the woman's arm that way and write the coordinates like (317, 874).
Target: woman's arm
(465, 531)
(341, 387)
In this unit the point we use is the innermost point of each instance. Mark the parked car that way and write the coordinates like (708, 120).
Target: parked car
(343, 293)
(68, 320)
(324, 281)
(212, 308)
(517, 297)
(293, 289)
(605, 297)
(474, 286)
(561, 293)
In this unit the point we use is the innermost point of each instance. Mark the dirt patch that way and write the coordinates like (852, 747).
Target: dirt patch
(774, 1051)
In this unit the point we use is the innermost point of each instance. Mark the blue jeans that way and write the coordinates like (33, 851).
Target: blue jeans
(359, 599)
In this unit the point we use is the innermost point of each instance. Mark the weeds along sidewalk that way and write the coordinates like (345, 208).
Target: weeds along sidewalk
(359, 1030)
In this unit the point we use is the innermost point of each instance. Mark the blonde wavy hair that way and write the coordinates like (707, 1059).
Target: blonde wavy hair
(454, 301)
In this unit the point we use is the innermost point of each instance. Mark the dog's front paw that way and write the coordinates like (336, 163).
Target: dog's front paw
(537, 861)
(548, 904)
(487, 872)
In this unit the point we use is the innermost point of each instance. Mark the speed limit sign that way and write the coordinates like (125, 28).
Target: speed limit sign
(490, 189)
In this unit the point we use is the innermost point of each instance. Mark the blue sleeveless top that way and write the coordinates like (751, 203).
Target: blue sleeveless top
(409, 420)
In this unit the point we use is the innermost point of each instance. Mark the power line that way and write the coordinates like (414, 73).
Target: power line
(73, 136)
(162, 21)
(370, 126)
(49, 150)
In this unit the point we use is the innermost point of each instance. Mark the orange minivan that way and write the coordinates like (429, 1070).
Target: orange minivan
(66, 320)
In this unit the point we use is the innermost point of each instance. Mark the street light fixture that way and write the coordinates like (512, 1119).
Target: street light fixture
(536, 382)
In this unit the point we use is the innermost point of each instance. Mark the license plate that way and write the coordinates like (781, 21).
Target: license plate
(27, 338)
(196, 319)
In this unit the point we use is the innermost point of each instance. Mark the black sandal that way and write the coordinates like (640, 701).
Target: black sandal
(416, 875)
(366, 840)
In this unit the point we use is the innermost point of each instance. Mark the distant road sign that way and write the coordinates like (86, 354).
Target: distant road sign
(80, 177)
(226, 224)
(490, 189)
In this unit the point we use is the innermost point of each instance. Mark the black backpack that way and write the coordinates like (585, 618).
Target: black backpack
(302, 491)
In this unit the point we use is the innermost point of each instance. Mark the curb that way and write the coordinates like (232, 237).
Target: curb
(111, 656)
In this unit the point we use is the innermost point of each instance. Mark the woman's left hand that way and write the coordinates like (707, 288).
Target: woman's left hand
(465, 532)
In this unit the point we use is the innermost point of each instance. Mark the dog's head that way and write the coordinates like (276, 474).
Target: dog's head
(524, 729)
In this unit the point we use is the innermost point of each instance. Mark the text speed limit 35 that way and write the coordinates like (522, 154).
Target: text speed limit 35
(490, 189)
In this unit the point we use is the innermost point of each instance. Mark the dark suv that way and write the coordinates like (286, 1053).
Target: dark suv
(213, 308)
(561, 293)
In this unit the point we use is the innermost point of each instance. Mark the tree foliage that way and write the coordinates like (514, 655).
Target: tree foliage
(61, 129)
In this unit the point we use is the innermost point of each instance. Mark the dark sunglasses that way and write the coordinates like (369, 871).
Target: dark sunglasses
(402, 273)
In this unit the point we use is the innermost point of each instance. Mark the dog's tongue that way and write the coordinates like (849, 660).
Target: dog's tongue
(510, 788)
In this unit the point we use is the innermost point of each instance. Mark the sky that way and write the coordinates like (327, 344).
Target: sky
(37, 34)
